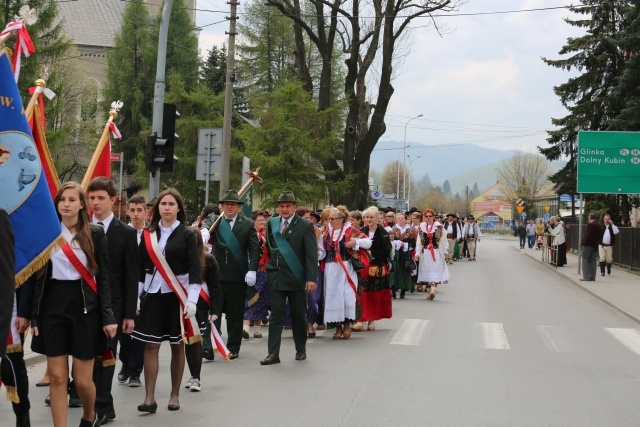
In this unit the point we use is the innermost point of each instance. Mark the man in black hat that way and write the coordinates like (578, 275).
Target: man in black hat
(292, 270)
(472, 234)
(454, 234)
(237, 250)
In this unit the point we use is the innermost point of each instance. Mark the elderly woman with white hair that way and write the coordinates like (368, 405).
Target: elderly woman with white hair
(375, 290)
(342, 243)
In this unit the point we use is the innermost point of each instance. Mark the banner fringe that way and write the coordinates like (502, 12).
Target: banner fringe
(38, 262)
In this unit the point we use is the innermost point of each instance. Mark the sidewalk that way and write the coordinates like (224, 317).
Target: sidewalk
(620, 290)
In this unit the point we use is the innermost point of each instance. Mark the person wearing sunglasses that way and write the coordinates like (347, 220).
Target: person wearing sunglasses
(432, 266)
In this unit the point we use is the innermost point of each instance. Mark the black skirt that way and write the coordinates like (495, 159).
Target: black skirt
(63, 327)
(159, 319)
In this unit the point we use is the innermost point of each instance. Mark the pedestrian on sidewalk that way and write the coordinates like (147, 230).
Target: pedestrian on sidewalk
(556, 229)
(589, 245)
(607, 240)
(522, 234)
(531, 234)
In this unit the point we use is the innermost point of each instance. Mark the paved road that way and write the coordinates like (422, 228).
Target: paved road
(506, 343)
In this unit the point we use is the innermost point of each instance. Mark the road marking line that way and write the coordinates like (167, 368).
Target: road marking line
(493, 336)
(554, 339)
(410, 332)
(628, 337)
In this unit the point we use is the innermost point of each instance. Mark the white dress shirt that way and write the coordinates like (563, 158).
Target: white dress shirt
(154, 282)
(232, 222)
(105, 222)
(606, 237)
(62, 269)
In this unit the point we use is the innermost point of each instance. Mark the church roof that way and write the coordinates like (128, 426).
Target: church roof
(92, 22)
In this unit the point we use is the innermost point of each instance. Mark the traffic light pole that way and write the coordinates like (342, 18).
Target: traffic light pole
(228, 102)
(158, 93)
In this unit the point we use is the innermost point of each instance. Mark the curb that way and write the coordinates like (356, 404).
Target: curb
(589, 291)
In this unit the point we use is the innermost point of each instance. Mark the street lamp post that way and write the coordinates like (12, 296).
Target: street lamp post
(404, 154)
(398, 178)
(410, 170)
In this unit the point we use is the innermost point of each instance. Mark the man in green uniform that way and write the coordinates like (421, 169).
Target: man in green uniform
(237, 250)
(292, 270)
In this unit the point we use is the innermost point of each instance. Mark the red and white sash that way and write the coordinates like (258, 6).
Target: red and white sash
(215, 335)
(190, 329)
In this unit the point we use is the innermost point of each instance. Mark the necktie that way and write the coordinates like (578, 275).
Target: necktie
(286, 225)
(229, 221)
(101, 223)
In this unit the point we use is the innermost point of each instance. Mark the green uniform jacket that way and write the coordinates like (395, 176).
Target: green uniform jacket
(243, 229)
(302, 240)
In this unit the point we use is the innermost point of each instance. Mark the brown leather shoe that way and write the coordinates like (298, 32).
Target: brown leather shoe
(301, 354)
(338, 334)
(271, 359)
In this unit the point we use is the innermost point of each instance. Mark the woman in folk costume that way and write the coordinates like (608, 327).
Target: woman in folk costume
(375, 291)
(259, 309)
(72, 305)
(403, 237)
(433, 268)
(208, 302)
(340, 279)
(170, 278)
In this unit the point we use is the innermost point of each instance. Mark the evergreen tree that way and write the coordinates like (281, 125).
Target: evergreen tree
(457, 198)
(588, 96)
(446, 187)
(214, 70)
(476, 190)
(182, 46)
(130, 74)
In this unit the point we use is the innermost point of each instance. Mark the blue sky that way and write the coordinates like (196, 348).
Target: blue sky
(481, 82)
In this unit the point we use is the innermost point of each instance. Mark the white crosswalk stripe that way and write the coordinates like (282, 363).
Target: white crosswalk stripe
(492, 336)
(628, 337)
(410, 332)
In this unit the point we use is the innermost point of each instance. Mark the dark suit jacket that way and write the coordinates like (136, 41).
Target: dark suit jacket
(592, 234)
(243, 229)
(124, 262)
(181, 253)
(302, 239)
(7, 278)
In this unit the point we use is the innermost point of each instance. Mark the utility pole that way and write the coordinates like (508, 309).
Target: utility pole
(228, 102)
(158, 92)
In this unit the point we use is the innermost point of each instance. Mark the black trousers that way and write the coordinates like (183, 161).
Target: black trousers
(131, 355)
(233, 297)
(103, 379)
(13, 364)
(298, 306)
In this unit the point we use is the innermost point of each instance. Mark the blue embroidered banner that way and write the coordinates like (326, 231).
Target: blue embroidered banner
(24, 193)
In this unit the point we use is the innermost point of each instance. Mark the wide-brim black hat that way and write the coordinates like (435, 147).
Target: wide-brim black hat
(451, 214)
(316, 215)
(470, 217)
(231, 196)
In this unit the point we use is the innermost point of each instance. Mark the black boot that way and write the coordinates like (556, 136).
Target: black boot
(608, 268)
(23, 421)
(393, 293)
(402, 294)
(602, 268)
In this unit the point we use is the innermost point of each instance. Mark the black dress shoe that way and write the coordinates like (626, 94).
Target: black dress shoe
(122, 376)
(270, 359)
(233, 356)
(94, 423)
(301, 354)
(148, 407)
(104, 419)
(173, 406)
(312, 334)
(208, 354)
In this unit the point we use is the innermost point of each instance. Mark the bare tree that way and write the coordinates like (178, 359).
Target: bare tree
(370, 34)
(523, 176)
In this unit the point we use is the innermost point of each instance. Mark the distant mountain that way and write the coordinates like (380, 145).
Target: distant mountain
(440, 162)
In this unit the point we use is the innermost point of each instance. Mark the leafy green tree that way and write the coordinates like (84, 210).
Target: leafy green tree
(588, 96)
(287, 146)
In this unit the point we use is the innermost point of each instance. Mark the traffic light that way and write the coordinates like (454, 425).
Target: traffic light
(159, 152)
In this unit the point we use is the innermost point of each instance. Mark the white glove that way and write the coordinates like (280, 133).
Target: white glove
(138, 308)
(397, 244)
(190, 309)
(213, 317)
(405, 247)
(250, 278)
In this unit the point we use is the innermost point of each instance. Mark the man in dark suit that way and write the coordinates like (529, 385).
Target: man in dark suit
(590, 241)
(237, 250)
(292, 270)
(123, 280)
(7, 278)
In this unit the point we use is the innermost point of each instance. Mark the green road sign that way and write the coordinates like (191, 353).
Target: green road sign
(609, 162)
